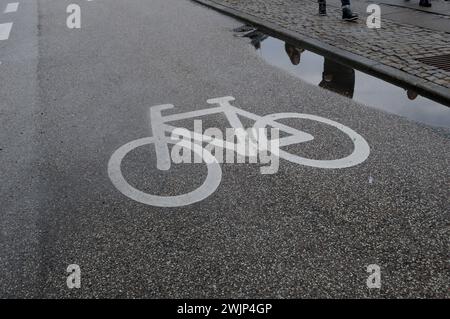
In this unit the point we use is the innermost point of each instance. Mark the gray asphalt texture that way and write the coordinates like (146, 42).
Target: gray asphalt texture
(70, 98)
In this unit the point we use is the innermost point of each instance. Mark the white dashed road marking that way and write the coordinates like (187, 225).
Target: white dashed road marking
(12, 7)
(5, 29)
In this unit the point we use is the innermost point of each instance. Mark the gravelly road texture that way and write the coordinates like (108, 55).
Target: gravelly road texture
(70, 98)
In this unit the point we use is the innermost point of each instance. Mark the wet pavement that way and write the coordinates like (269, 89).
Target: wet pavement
(342, 79)
(395, 49)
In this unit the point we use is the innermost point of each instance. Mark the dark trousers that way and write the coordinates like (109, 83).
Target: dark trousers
(343, 2)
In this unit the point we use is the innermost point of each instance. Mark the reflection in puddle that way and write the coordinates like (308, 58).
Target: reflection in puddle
(344, 80)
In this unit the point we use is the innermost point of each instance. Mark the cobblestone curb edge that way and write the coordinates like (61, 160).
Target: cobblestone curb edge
(390, 74)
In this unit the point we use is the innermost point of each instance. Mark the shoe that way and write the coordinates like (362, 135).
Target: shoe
(322, 9)
(425, 3)
(348, 15)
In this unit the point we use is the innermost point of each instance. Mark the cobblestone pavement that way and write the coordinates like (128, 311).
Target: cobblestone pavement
(395, 44)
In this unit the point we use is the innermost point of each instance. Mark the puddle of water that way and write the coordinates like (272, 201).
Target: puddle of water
(339, 78)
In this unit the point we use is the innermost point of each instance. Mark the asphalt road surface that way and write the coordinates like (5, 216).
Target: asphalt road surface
(71, 97)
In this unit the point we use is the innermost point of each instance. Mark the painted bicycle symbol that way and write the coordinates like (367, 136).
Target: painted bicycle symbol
(160, 141)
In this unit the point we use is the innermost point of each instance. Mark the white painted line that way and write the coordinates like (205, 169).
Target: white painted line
(5, 29)
(12, 7)
(212, 181)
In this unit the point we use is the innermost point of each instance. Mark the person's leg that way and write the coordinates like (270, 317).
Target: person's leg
(322, 7)
(347, 13)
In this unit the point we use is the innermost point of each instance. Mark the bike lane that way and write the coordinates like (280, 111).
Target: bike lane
(302, 232)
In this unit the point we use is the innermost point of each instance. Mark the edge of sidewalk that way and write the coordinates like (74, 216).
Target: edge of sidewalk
(387, 73)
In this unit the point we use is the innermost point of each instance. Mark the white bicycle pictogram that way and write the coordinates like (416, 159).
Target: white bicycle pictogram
(160, 127)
